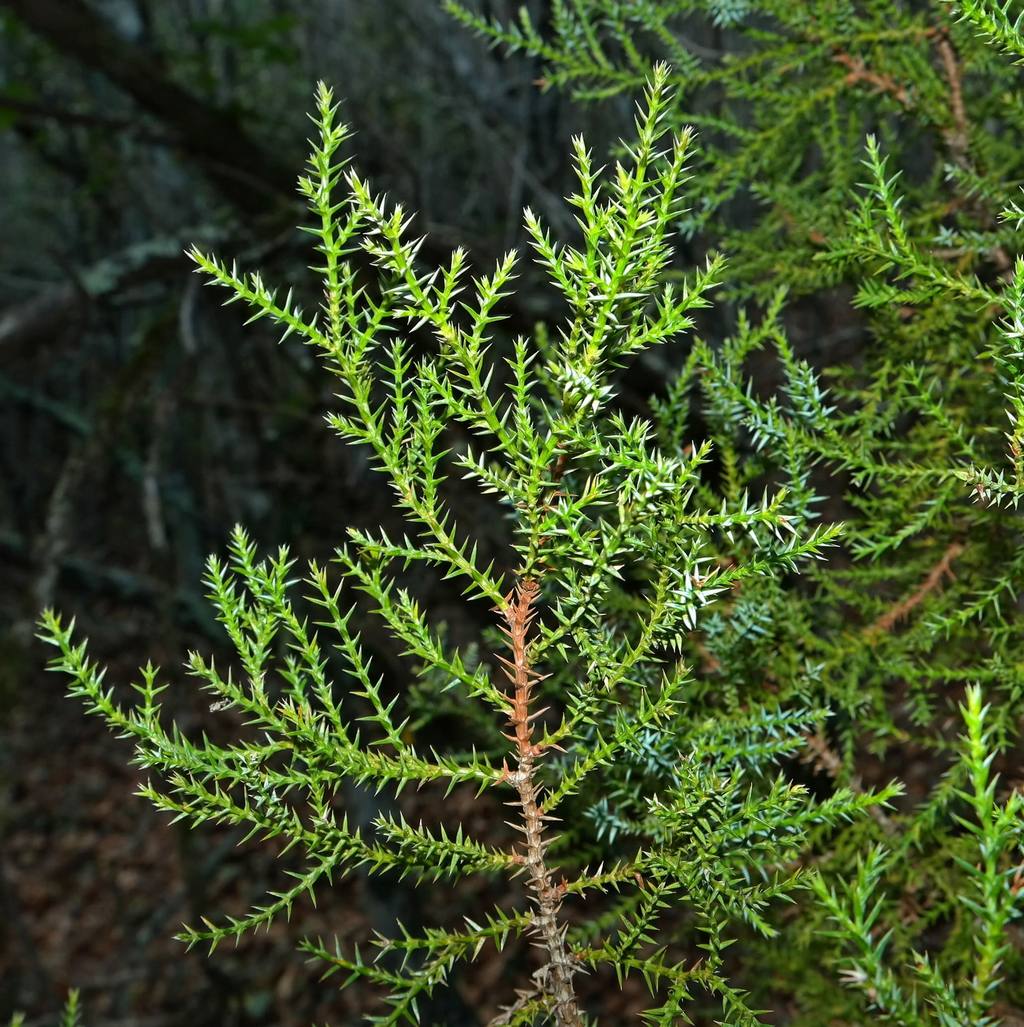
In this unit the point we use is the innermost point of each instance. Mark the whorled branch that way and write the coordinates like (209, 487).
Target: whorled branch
(555, 977)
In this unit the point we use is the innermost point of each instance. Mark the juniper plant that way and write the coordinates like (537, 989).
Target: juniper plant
(989, 897)
(651, 816)
(874, 146)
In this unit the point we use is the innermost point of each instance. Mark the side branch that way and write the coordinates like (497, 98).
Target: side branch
(902, 609)
(858, 71)
(555, 977)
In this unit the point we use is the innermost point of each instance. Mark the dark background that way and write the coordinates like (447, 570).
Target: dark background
(139, 421)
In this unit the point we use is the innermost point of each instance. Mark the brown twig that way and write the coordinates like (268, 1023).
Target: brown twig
(957, 136)
(957, 139)
(858, 71)
(895, 614)
(555, 977)
(821, 755)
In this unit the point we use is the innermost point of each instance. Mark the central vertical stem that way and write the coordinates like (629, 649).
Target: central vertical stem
(555, 977)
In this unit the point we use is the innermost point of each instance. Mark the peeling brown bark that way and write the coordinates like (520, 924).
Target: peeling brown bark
(555, 977)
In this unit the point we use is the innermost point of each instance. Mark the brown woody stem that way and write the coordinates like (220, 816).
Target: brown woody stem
(555, 977)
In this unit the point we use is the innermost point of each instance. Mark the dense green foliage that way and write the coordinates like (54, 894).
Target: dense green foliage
(877, 144)
(673, 643)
